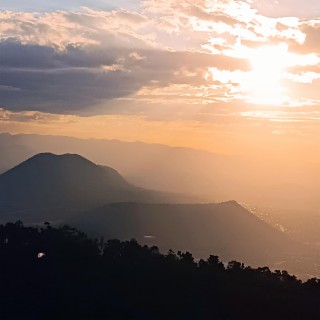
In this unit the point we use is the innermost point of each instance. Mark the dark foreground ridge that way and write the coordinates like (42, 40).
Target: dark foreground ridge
(49, 273)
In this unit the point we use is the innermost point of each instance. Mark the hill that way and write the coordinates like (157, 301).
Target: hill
(227, 229)
(49, 186)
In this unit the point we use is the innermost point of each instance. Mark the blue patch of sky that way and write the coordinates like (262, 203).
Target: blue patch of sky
(45, 5)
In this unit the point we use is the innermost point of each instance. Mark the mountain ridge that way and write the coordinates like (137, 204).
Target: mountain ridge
(71, 189)
(225, 228)
(261, 182)
(48, 183)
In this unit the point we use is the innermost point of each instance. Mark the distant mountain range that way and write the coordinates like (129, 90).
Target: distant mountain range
(264, 182)
(52, 187)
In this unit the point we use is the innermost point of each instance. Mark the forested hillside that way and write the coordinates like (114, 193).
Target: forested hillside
(49, 273)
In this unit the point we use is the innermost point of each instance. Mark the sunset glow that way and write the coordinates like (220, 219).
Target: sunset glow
(175, 66)
(190, 126)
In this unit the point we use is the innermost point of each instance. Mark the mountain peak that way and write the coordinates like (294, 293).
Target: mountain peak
(49, 161)
(67, 180)
(233, 203)
(64, 184)
(53, 156)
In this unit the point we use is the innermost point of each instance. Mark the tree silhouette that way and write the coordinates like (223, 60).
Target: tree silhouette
(80, 278)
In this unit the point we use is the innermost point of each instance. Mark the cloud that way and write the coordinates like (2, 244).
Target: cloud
(311, 30)
(95, 61)
(73, 80)
(40, 78)
(279, 8)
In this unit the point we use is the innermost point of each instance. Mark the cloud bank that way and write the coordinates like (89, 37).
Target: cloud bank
(178, 52)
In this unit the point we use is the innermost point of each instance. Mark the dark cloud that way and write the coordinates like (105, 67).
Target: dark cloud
(39, 78)
(14, 54)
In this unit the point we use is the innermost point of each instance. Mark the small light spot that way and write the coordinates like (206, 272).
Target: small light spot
(41, 255)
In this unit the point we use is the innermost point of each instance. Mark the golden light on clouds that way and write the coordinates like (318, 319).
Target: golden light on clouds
(264, 83)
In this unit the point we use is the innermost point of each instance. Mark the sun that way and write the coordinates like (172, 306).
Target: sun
(263, 84)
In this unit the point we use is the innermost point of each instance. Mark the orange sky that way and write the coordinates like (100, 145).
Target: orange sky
(225, 76)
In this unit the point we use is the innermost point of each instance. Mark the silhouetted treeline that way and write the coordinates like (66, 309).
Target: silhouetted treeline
(49, 273)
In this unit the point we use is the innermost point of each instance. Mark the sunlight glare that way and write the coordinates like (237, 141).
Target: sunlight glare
(263, 84)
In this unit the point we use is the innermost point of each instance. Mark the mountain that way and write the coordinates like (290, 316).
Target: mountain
(226, 229)
(71, 189)
(49, 186)
(264, 181)
(152, 166)
(284, 194)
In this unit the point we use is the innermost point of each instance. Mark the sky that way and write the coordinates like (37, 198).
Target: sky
(233, 77)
